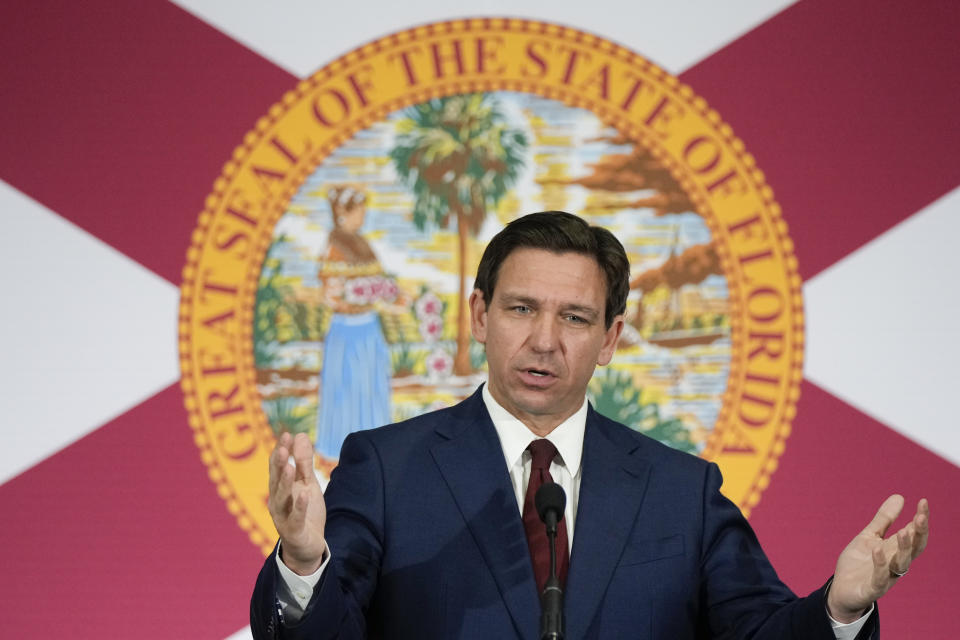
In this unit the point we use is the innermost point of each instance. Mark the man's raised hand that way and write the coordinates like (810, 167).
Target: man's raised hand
(870, 565)
(296, 504)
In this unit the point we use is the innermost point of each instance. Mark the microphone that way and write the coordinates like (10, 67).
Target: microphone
(550, 501)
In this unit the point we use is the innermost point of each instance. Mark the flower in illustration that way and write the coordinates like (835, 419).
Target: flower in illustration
(358, 291)
(431, 327)
(428, 305)
(439, 364)
(389, 289)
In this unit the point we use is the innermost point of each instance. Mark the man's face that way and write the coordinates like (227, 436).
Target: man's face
(544, 334)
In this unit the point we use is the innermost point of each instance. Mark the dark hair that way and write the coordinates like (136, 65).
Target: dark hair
(560, 232)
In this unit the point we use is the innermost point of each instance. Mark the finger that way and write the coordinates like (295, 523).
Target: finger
(881, 571)
(303, 457)
(887, 513)
(900, 561)
(279, 502)
(278, 459)
(298, 511)
(921, 523)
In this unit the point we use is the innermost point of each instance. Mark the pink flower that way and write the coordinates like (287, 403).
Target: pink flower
(439, 364)
(431, 328)
(428, 305)
(390, 289)
(359, 291)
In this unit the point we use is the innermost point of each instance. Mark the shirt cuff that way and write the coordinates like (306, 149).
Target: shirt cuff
(301, 587)
(842, 631)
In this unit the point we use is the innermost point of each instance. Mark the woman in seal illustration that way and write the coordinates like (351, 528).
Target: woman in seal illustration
(355, 375)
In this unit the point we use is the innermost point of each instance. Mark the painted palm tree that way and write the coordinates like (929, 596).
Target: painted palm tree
(459, 156)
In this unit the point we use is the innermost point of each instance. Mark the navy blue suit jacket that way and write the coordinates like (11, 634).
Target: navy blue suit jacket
(427, 542)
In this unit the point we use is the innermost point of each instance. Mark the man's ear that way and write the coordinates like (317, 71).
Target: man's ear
(610, 340)
(478, 316)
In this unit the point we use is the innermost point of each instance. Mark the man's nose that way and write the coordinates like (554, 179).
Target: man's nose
(544, 334)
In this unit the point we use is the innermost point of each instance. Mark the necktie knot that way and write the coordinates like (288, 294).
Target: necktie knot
(543, 453)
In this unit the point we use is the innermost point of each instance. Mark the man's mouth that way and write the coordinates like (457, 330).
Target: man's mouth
(539, 373)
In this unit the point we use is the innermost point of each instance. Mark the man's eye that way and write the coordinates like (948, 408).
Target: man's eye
(521, 308)
(576, 319)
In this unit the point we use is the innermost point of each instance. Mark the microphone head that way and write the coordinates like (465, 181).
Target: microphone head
(550, 498)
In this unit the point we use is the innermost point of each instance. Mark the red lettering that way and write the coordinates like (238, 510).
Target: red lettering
(484, 54)
(220, 405)
(661, 115)
(284, 150)
(439, 59)
(240, 209)
(265, 174)
(361, 85)
(216, 323)
(225, 243)
(339, 101)
(537, 59)
(758, 255)
(756, 307)
(404, 56)
(214, 287)
(758, 421)
(722, 182)
(712, 158)
(770, 344)
(748, 226)
(572, 63)
(247, 444)
(632, 93)
(736, 441)
(602, 80)
(215, 365)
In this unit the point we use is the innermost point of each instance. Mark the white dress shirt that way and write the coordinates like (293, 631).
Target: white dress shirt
(566, 470)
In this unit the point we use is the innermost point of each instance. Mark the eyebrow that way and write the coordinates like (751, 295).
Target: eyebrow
(583, 310)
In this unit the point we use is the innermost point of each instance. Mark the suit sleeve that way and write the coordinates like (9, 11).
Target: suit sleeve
(354, 532)
(742, 594)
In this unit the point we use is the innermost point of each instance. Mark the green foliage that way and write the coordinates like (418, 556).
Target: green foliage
(268, 301)
(274, 301)
(404, 359)
(478, 355)
(459, 157)
(613, 395)
(289, 414)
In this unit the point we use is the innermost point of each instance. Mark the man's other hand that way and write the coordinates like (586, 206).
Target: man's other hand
(296, 504)
(870, 565)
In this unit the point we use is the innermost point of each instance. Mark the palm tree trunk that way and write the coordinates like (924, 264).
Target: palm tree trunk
(461, 362)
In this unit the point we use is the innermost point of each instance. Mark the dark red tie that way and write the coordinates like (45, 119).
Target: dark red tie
(543, 453)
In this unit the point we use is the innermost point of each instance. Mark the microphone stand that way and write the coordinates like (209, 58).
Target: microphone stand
(551, 600)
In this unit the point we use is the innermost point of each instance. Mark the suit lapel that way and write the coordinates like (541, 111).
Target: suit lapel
(611, 492)
(470, 459)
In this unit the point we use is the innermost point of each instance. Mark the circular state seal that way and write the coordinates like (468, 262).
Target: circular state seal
(325, 287)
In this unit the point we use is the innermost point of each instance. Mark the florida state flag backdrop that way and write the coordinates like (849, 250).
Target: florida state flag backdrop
(222, 220)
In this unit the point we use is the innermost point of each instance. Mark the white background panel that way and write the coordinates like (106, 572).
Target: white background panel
(243, 634)
(87, 333)
(303, 35)
(882, 327)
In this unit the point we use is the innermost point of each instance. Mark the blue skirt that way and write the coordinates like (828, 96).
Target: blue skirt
(354, 381)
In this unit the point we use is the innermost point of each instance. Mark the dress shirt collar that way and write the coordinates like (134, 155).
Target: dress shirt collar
(515, 436)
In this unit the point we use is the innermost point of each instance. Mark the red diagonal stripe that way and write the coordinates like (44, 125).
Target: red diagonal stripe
(838, 467)
(122, 535)
(120, 115)
(850, 109)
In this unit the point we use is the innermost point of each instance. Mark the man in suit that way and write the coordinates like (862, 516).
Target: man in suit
(423, 531)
